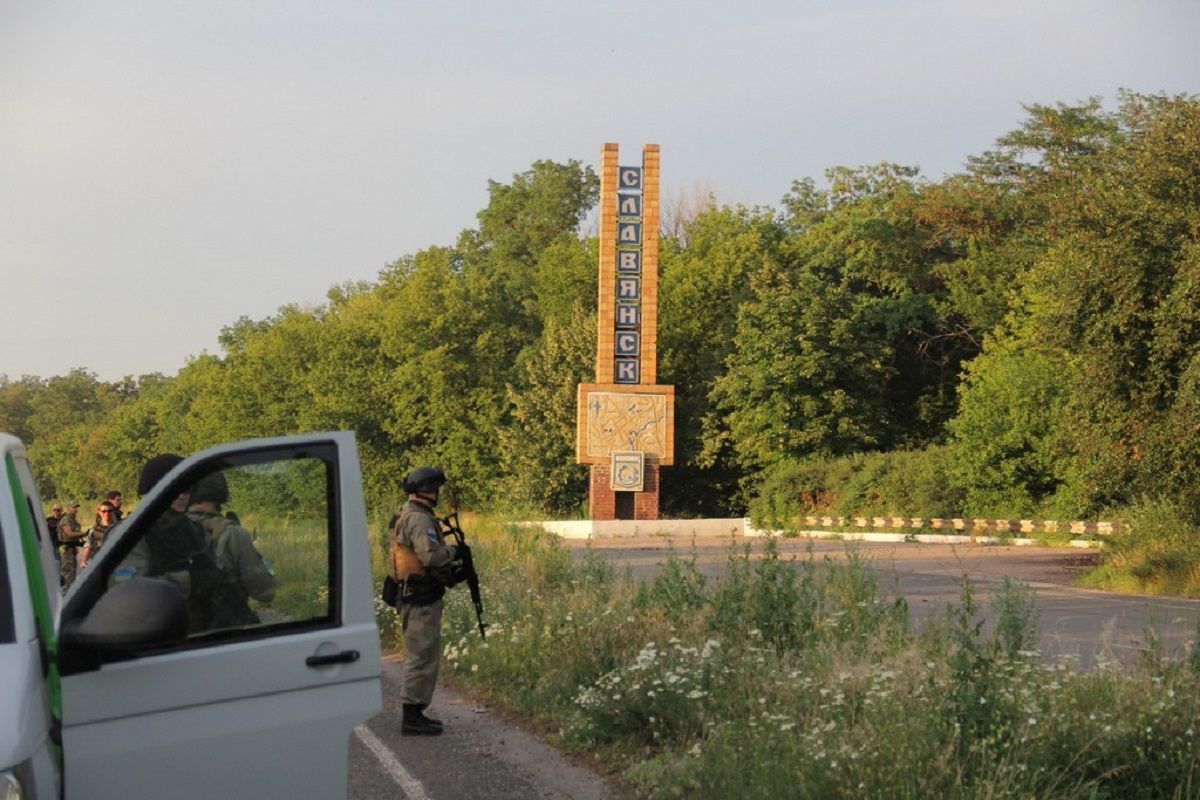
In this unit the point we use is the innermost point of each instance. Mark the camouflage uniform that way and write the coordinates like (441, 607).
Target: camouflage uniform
(71, 537)
(417, 528)
(175, 548)
(233, 548)
(93, 542)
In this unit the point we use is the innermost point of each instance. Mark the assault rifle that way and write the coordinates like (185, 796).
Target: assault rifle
(450, 523)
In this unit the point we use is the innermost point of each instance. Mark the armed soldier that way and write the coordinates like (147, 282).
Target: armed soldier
(424, 563)
(70, 536)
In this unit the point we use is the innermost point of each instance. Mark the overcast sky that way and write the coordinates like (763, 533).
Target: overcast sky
(167, 167)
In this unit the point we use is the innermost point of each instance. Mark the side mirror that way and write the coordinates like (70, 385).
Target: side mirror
(138, 613)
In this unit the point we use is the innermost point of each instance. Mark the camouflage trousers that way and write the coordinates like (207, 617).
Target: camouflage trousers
(422, 651)
(68, 565)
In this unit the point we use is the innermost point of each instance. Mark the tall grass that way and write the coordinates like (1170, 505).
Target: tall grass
(790, 678)
(1159, 553)
(297, 550)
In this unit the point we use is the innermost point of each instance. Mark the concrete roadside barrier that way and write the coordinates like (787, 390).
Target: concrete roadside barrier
(878, 529)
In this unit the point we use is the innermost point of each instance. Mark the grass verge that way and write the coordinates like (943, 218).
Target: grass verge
(1158, 554)
(789, 678)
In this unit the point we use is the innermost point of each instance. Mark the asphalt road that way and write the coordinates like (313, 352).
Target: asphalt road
(479, 756)
(483, 756)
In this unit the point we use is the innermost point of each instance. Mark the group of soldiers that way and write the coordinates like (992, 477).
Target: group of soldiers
(202, 548)
(237, 571)
(423, 562)
(76, 545)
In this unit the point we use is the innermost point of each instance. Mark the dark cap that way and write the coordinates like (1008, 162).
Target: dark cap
(155, 469)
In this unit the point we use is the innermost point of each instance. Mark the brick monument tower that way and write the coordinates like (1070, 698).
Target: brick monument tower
(626, 421)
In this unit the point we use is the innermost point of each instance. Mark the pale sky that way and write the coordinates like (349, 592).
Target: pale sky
(167, 167)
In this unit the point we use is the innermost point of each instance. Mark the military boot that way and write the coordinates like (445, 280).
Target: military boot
(414, 723)
(422, 708)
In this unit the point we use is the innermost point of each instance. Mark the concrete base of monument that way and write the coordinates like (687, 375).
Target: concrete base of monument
(671, 528)
(736, 526)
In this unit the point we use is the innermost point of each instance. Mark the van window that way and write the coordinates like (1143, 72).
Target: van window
(251, 544)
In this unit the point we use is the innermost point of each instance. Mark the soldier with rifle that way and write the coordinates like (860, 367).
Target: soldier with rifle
(424, 564)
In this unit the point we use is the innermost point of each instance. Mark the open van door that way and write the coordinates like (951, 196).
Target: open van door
(162, 699)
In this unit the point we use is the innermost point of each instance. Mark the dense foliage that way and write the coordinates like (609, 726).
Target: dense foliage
(1020, 338)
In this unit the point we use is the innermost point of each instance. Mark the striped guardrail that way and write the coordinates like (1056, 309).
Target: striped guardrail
(983, 526)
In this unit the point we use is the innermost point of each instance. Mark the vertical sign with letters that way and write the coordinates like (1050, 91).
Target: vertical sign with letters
(626, 420)
(627, 367)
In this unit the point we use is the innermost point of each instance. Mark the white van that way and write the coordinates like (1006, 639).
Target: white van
(110, 692)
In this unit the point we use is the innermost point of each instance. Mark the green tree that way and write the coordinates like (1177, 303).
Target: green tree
(538, 444)
(17, 404)
(703, 284)
(1114, 297)
(848, 341)
(1007, 449)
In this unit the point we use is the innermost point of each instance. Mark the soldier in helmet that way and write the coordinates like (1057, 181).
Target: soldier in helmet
(421, 560)
(230, 544)
(177, 549)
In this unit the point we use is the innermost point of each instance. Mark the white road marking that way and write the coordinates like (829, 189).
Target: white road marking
(403, 778)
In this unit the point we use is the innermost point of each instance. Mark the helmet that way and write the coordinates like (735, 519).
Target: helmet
(211, 487)
(424, 479)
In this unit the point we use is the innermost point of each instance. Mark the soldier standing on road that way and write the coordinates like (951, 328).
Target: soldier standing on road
(422, 561)
(71, 537)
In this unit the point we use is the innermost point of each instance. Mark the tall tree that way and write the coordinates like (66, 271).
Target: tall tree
(1115, 297)
(703, 285)
(538, 444)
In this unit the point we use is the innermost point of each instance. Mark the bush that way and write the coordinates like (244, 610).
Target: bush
(1159, 552)
(911, 483)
